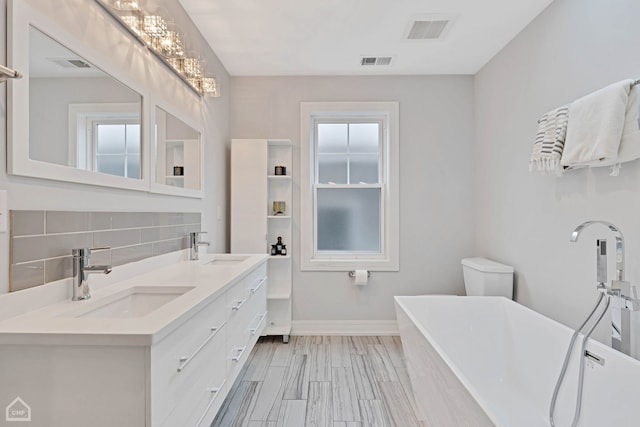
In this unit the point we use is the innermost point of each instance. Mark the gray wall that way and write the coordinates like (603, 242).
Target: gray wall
(574, 47)
(436, 176)
(85, 19)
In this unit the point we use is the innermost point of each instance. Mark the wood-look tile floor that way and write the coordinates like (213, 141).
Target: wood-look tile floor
(322, 382)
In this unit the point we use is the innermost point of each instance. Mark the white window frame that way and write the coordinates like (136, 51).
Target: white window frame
(82, 121)
(388, 259)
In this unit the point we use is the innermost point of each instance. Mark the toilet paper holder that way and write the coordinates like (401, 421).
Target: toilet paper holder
(352, 274)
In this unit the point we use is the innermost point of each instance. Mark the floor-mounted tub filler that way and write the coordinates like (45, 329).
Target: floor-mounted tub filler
(484, 361)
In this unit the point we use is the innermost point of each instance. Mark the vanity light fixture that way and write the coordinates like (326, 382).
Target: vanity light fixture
(209, 87)
(155, 26)
(164, 39)
(126, 5)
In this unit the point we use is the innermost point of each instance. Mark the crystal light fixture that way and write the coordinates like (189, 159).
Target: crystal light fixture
(165, 40)
(192, 68)
(155, 26)
(125, 5)
(209, 87)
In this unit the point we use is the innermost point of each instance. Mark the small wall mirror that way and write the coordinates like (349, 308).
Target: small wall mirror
(178, 155)
(79, 116)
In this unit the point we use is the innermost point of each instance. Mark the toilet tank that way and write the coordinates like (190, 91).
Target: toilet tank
(486, 277)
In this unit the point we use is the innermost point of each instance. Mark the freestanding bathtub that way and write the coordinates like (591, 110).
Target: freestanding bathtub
(485, 361)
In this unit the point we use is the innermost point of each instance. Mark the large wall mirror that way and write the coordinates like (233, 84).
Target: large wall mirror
(178, 155)
(79, 116)
(75, 116)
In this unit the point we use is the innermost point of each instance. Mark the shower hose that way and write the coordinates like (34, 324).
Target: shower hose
(552, 407)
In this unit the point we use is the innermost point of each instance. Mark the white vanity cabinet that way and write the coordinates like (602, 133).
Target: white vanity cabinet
(193, 368)
(178, 376)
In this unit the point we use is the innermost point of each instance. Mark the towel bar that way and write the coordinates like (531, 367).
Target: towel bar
(8, 73)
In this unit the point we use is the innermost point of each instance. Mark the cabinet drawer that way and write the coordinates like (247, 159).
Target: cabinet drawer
(244, 329)
(244, 290)
(177, 361)
(206, 388)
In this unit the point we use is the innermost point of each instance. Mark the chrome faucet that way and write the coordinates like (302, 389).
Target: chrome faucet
(81, 271)
(619, 289)
(194, 242)
(619, 244)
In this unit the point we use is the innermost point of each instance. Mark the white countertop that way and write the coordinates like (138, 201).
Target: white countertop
(54, 323)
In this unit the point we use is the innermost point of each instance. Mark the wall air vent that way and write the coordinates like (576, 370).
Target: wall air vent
(375, 60)
(427, 30)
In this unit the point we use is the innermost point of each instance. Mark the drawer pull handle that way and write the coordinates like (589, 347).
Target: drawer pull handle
(262, 317)
(240, 351)
(239, 304)
(215, 390)
(184, 361)
(259, 285)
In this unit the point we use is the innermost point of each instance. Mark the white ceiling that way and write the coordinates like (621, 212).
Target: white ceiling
(329, 37)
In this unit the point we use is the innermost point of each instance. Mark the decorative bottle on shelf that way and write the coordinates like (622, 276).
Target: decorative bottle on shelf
(279, 246)
(283, 251)
(273, 250)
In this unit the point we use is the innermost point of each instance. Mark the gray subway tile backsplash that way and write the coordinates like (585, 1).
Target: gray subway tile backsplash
(129, 254)
(41, 241)
(33, 248)
(116, 238)
(131, 219)
(68, 222)
(154, 234)
(27, 275)
(24, 223)
(57, 268)
(160, 248)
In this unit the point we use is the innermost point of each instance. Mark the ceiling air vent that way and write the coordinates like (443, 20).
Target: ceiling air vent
(70, 63)
(427, 30)
(78, 63)
(375, 60)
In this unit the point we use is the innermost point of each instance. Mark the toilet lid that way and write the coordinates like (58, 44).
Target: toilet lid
(487, 265)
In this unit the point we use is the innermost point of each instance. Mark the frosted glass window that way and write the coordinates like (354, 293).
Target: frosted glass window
(332, 168)
(133, 166)
(133, 139)
(349, 189)
(363, 169)
(113, 165)
(348, 153)
(118, 149)
(111, 139)
(348, 220)
(332, 137)
(364, 138)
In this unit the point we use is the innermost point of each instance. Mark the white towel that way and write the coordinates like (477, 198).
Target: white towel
(595, 127)
(630, 143)
(549, 144)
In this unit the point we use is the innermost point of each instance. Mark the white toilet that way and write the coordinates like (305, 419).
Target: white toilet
(485, 277)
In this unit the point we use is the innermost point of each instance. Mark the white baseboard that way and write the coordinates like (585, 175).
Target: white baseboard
(344, 327)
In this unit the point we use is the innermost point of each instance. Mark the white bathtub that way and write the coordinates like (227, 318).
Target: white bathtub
(482, 361)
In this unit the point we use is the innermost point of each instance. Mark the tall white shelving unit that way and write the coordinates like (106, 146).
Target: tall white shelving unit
(254, 227)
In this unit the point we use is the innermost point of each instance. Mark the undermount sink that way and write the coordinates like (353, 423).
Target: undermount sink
(136, 301)
(227, 259)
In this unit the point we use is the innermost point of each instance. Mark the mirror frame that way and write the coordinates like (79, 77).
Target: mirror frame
(20, 17)
(161, 188)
